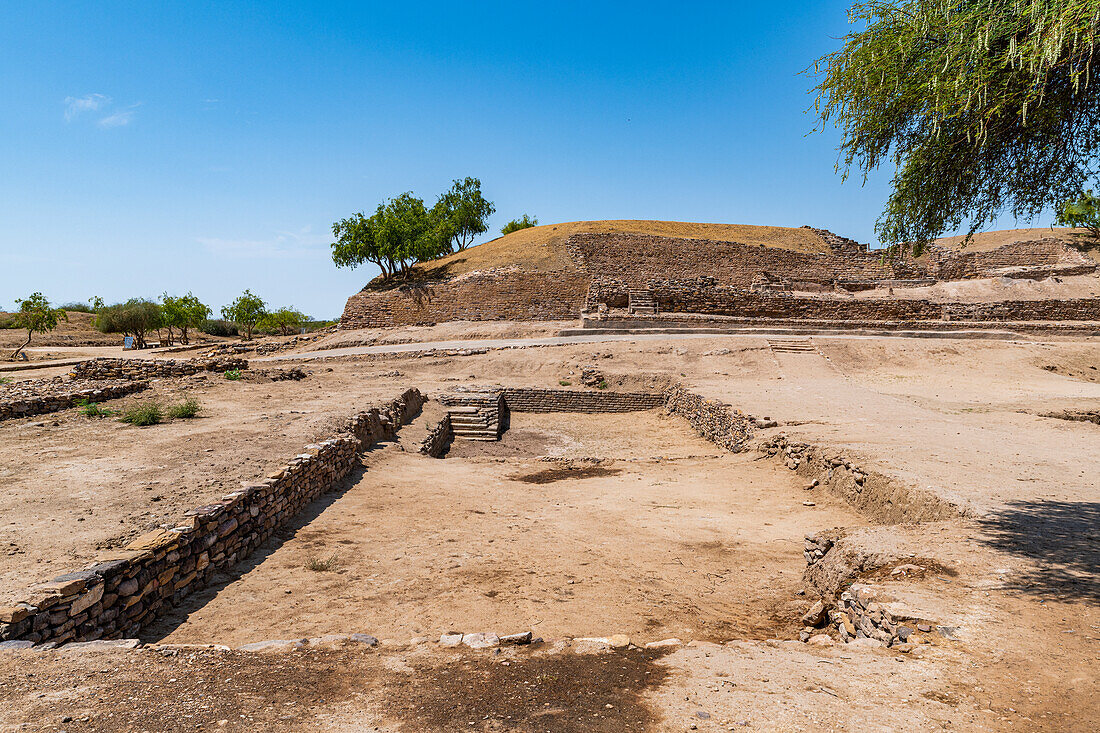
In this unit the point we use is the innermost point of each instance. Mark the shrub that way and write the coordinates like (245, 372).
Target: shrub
(5, 380)
(77, 307)
(146, 413)
(233, 375)
(564, 382)
(516, 224)
(136, 317)
(186, 409)
(218, 327)
(323, 565)
(603, 384)
(92, 409)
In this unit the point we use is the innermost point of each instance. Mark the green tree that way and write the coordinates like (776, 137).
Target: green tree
(136, 317)
(1084, 212)
(516, 224)
(462, 213)
(283, 320)
(36, 315)
(246, 310)
(982, 105)
(400, 233)
(184, 312)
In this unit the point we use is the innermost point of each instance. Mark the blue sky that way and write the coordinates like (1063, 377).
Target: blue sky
(151, 147)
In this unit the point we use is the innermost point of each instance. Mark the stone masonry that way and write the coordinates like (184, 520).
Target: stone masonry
(104, 368)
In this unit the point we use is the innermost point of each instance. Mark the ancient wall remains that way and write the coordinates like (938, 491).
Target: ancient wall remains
(484, 296)
(105, 368)
(1031, 259)
(718, 422)
(126, 591)
(41, 396)
(523, 399)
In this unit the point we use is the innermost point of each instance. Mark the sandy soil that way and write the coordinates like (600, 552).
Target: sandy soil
(960, 419)
(677, 540)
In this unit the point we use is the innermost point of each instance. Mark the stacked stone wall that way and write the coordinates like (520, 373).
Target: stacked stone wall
(438, 439)
(484, 296)
(123, 593)
(571, 400)
(41, 396)
(704, 296)
(716, 421)
(1033, 259)
(105, 368)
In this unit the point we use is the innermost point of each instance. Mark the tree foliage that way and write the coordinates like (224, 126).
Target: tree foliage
(402, 231)
(462, 213)
(516, 224)
(136, 317)
(37, 316)
(246, 310)
(185, 312)
(982, 105)
(282, 320)
(1084, 212)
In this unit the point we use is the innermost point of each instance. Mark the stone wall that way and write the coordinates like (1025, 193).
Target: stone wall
(1033, 259)
(40, 396)
(635, 259)
(571, 400)
(126, 591)
(716, 421)
(705, 296)
(483, 296)
(438, 440)
(104, 368)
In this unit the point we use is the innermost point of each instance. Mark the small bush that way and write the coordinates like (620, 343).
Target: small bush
(5, 380)
(219, 327)
(603, 384)
(233, 375)
(147, 413)
(184, 410)
(323, 565)
(7, 320)
(92, 409)
(564, 382)
(77, 307)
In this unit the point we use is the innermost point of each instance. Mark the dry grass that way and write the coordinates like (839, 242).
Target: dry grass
(540, 248)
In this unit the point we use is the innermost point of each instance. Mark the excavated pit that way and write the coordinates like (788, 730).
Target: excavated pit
(572, 525)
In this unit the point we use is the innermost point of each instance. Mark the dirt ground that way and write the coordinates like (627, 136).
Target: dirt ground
(673, 531)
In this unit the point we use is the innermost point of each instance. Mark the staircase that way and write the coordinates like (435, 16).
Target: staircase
(642, 302)
(792, 346)
(469, 423)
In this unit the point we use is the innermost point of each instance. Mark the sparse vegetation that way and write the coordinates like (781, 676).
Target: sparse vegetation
(564, 382)
(143, 414)
(233, 375)
(603, 384)
(324, 565)
(462, 213)
(93, 409)
(1083, 212)
(525, 222)
(35, 315)
(185, 312)
(136, 317)
(219, 327)
(246, 311)
(283, 321)
(189, 408)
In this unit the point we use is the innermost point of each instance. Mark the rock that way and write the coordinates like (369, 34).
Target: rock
(815, 615)
(664, 643)
(274, 645)
(372, 641)
(906, 569)
(808, 503)
(821, 640)
(924, 628)
(14, 645)
(103, 644)
(618, 641)
(450, 640)
(516, 639)
(481, 640)
(866, 641)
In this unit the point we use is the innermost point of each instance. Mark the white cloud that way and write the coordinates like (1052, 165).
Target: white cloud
(74, 106)
(120, 118)
(283, 245)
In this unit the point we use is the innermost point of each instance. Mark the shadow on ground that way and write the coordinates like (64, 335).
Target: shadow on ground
(1060, 537)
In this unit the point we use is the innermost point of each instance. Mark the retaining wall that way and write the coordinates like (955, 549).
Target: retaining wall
(124, 592)
(36, 398)
(569, 400)
(104, 368)
(718, 422)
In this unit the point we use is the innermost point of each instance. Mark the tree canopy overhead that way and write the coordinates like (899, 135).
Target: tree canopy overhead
(983, 106)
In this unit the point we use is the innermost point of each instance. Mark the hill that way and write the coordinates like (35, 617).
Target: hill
(541, 248)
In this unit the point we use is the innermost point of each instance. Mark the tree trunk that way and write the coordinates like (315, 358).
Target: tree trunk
(15, 353)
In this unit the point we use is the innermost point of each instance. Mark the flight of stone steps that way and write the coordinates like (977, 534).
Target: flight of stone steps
(642, 302)
(791, 346)
(470, 423)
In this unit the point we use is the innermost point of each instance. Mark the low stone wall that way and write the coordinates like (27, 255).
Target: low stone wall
(863, 612)
(104, 368)
(40, 396)
(126, 591)
(439, 439)
(509, 295)
(872, 493)
(1028, 259)
(520, 399)
(716, 421)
